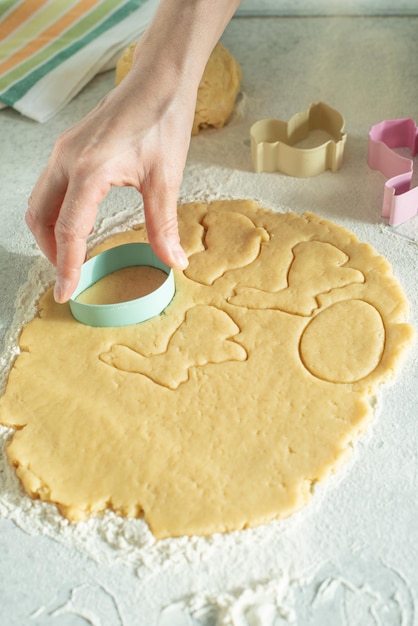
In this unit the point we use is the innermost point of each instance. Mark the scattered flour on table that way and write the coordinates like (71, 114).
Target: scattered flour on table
(369, 588)
(107, 538)
(366, 590)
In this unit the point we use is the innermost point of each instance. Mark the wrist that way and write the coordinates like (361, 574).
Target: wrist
(182, 36)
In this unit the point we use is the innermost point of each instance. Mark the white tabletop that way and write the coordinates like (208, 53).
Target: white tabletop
(351, 556)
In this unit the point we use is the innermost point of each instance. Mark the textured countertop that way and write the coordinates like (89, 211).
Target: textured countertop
(351, 556)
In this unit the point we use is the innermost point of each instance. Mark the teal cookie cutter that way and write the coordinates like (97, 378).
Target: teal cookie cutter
(131, 311)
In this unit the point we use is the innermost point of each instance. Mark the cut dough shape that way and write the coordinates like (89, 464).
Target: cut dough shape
(317, 267)
(224, 411)
(218, 88)
(336, 345)
(188, 347)
(241, 248)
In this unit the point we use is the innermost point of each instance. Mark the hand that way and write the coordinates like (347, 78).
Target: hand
(138, 135)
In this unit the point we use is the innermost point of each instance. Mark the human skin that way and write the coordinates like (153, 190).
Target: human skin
(138, 135)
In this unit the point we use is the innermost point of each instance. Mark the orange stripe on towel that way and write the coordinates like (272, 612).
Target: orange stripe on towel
(20, 15)
(49, 34)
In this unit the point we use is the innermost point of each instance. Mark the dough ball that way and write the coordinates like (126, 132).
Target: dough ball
(217, 91)
(124, 63)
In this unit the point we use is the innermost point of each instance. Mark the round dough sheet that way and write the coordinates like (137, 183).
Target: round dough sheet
(224, 411)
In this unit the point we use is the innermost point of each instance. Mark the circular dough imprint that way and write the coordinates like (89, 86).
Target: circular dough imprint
(343, 343)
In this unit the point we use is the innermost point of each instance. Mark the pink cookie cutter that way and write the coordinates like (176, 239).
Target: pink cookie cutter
(400, 202)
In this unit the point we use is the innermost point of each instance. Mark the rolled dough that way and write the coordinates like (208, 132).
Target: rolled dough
(225, 411)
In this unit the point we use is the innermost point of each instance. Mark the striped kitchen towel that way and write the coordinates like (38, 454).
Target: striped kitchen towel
(50, 49)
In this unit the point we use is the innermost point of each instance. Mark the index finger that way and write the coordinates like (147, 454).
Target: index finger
(74, 224)
(43, 209)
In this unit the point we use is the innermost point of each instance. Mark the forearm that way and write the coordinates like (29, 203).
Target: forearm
(183, 34)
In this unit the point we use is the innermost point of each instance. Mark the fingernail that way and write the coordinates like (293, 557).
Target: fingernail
(180, 257)
(61, 290)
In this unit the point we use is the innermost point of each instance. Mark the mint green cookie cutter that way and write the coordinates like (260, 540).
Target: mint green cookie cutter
(131, 311)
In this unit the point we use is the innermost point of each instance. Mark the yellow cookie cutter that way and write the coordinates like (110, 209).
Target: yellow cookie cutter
(273, 143)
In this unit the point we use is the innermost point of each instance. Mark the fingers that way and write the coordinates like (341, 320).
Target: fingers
(74, 224)
(61, 215)
(160, 206)
(43, 209)
(86, 161)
